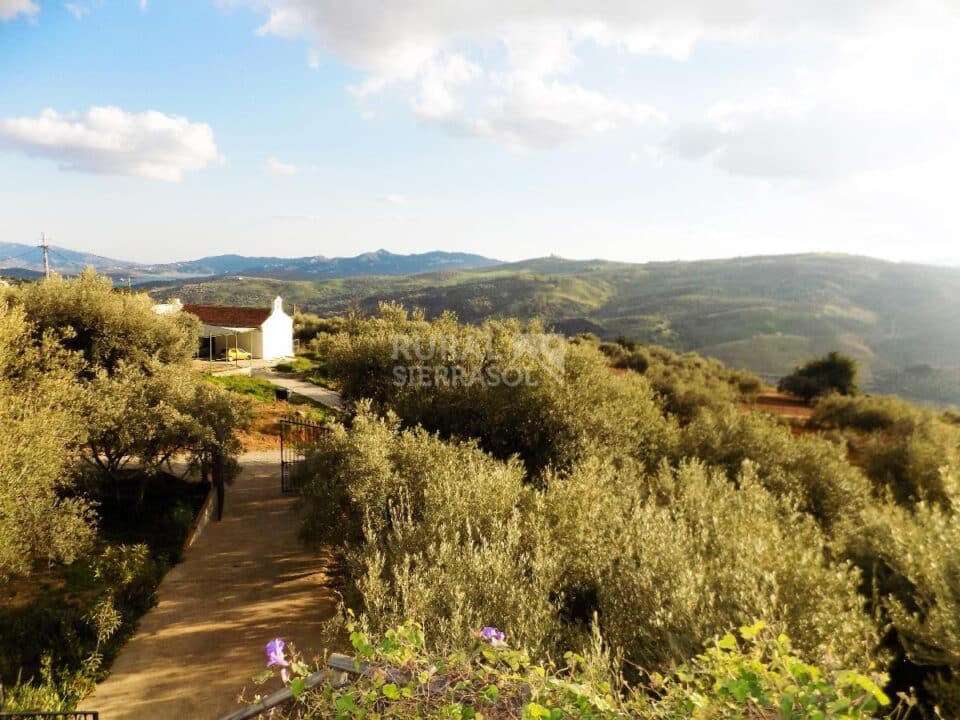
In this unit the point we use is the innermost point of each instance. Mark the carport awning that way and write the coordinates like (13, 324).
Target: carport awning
(218, 330)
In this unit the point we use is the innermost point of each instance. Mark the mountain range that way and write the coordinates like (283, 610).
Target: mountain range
(16, 257)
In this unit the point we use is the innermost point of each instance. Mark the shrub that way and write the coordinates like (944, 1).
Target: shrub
(755, 675)
(912, 559)
(832, 373)
(557, 413)
(636, 360)
(863, 413)
(915, 466)
(106, 327)
(686, 383)
(909, 452)
(659, 558)
(651, 555)
(427, 544)
(813, 471)
(56, 635)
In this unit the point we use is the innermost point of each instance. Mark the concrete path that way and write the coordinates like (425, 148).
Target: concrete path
(246, 580)
(330, 398)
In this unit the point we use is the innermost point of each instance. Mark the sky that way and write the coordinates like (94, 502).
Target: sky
(162, 130)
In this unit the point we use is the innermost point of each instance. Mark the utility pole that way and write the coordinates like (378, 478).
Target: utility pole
(46, 255)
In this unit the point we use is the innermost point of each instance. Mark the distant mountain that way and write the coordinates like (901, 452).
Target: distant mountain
(767, 314)
(68, 262)
(381, 262)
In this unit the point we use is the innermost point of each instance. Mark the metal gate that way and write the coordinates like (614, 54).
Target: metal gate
(297, 437)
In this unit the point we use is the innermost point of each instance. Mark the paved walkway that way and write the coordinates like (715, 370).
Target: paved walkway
(330, 398)
(246, 580)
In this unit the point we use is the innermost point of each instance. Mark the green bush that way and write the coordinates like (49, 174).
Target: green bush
(649, 507)
(909, 452)
(670, 558)
(547, 413)
(864, 413)
(108, 328)
(811, 470)
(447, 535)
(685, 383)
(832, 373)
(912, 559)
(754, 675)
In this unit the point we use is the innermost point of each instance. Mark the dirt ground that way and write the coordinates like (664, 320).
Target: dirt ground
(245, 581)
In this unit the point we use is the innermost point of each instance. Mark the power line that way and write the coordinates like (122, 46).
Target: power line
(23, 254)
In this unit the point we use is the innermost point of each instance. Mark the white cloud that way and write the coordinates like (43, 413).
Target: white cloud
(534, 112)
(395, 40)
(143, 5)
(9, 9)
(439, 80)
(368, 115)
(109, 140)
(279, 168)
(391, 199)
(883, 102)
(78, 10)
(499, 68)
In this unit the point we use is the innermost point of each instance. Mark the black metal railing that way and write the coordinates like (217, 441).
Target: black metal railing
(297, 437)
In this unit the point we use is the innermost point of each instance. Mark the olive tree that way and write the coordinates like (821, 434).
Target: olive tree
(38, 413)
(106, 327)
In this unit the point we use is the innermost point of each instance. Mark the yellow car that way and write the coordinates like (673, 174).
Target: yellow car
(237, 354)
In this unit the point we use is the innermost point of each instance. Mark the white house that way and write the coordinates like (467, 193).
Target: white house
(266, 333)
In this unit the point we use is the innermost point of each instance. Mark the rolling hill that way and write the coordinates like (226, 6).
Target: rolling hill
(763, 313)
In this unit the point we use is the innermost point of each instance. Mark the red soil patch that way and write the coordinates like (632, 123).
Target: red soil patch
(782, 405)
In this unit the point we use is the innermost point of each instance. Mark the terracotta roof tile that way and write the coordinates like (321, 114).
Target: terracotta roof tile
(226, 316)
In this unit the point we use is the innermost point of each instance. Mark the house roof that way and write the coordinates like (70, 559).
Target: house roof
(227, 316)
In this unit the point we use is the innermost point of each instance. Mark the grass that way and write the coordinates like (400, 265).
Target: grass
(255, 387)
(298, 365)
(264, 391)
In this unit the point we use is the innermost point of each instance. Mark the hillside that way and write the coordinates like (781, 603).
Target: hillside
(766, 314)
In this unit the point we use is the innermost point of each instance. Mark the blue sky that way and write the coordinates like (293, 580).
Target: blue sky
(172, 129)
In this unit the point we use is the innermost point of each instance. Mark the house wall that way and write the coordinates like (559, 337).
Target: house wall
(277, 334)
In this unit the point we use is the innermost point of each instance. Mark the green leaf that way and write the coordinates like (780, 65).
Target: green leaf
(390, 691)
(727, 642)
(261, 677)
(297, 686)
(532, 711)
(749, 632)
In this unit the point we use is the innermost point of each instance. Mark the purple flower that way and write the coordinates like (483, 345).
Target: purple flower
(275, 656)
(493, 636)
